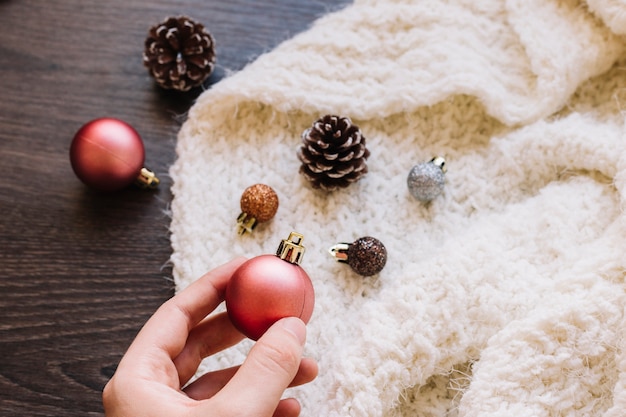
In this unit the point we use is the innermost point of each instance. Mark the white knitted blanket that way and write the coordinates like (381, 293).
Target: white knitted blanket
(503, 297)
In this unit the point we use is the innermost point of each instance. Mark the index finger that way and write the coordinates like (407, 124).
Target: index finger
(170, 325)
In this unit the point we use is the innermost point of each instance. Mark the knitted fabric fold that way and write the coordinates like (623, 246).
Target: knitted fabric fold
(503, 296)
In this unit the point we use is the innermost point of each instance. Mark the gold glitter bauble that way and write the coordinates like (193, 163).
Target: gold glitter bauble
(259, 201)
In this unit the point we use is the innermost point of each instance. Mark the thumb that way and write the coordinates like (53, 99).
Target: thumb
(268, 370)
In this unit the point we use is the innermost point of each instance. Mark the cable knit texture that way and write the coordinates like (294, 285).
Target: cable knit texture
(505, 296)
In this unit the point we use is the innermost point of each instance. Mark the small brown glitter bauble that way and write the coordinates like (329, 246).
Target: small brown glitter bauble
(367, 256)
(259, 201)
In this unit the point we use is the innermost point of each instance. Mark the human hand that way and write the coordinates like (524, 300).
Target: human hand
(150, 379)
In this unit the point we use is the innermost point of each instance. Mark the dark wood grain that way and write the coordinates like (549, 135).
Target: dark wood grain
(82, 271)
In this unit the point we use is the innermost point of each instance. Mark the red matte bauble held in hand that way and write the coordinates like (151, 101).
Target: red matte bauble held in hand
(268, 288)
(107, 154)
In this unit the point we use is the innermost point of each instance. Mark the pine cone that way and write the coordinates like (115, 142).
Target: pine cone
(333, 153)
(179, 53)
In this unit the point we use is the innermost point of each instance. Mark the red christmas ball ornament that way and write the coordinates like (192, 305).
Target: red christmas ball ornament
(107, 154)
(268, 288)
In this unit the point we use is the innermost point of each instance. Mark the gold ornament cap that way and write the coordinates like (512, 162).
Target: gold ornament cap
(291, 249)
(147, 179)
(440, 162)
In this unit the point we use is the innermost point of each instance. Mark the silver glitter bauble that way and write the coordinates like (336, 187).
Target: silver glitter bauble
(426, 180)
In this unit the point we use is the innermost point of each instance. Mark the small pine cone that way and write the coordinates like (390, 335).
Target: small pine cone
(179, 53)
(333, 153)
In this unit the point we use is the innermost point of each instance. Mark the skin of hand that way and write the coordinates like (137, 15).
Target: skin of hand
(151, 377)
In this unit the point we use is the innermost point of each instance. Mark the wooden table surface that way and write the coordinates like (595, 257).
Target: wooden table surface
(81, 270)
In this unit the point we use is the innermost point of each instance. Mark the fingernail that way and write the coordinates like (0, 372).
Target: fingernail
(297, 327)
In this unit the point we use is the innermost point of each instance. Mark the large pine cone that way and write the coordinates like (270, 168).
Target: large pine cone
(333, 153)
(179, 53)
